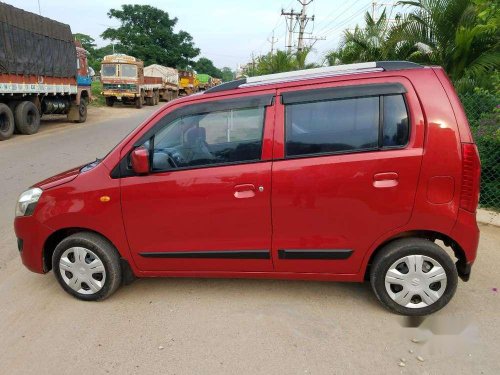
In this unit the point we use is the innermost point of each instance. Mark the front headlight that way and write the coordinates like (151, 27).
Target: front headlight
(27, 202)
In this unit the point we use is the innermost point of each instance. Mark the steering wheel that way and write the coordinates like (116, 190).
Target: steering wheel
(171, 160)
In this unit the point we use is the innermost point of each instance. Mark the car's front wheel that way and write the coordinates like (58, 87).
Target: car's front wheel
(413, 276)
(87, 266)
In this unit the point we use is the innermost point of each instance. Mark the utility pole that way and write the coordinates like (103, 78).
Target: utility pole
(303, 19)
(291, 22)
(374, 6)
(272, 41)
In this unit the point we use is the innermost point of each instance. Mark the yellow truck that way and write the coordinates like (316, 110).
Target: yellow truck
(188, 82)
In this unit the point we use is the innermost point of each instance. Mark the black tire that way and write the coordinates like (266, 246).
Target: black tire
(106, 253)
(138, 102)
(156, 98)
(82, 111)
(110, 101)
(7, 125)
(150, 101)
(398, 249)
(27, 118)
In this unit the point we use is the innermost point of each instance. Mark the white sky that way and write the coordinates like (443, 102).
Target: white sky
(226, 31)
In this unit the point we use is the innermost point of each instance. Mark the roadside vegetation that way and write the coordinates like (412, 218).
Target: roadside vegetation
(148, 33)
(97, 98)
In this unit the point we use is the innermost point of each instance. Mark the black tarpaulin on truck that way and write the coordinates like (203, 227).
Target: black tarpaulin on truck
(31, 44)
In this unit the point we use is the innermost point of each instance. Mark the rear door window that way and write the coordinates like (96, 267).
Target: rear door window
(341, 125)
(331, 126)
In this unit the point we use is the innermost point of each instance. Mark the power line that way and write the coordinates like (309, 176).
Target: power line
(340, 13)
(346, 21)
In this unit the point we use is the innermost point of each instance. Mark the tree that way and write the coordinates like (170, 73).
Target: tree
(148, 33)
(87, 41)
(281, 61)
(373, 42)
(206, 66)
(227, 74)
(460, 35)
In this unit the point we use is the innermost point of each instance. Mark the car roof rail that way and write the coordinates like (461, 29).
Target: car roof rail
(328, 71)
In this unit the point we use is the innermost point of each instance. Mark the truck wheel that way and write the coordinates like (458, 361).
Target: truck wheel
(150, 100)
(156, 98)
(27, 118)
(6, 122)
(110, 101)
(138, 102)
(82, 112)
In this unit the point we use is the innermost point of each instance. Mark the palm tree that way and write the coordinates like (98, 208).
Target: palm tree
(301, 57)
(279, 62)
(455, 34)
(371, 43)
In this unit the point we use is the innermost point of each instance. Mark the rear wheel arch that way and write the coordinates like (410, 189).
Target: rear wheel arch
(432, 236)
(84, 95)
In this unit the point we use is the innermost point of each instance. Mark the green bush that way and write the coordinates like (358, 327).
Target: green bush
(97, 98)
(483, 112)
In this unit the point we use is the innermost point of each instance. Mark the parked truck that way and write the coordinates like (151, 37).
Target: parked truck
(42, 71)
(188, 82)
(169, 80)
(123, 79)
(205, 81)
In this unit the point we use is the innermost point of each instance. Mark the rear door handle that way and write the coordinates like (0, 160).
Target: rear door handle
(385, 179)
(244, 191)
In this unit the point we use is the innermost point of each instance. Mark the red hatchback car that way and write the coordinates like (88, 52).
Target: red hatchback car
(345, 173)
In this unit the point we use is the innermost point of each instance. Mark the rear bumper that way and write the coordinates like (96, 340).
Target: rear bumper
(31, 238)
(466, 234)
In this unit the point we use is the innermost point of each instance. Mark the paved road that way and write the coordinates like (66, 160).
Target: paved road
(187, 326)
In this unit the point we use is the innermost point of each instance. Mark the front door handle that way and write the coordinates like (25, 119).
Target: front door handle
(244, 191)
(385, 179)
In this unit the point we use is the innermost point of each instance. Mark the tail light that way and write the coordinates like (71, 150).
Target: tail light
(471, 175)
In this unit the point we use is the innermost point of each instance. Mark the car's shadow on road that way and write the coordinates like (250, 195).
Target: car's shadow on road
(148, 289)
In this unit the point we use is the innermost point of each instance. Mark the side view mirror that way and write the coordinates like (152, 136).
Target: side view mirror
(140, 160)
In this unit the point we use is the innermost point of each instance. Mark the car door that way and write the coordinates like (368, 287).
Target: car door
(205, 205)
(346, 171)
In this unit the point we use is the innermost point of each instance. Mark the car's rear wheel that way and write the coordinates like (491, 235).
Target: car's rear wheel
(87, 266)
(413, 276)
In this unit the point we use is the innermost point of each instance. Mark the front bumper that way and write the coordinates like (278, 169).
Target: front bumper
(31, 238)
(117, 93)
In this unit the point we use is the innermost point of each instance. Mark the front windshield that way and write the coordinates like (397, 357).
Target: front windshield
(128, 70)
(108, 70)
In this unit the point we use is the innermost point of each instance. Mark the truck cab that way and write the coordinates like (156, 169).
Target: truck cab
(188, 82)
(84, 74)
(122, 79)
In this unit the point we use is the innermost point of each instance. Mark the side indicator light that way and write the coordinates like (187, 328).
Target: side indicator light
(105, 198)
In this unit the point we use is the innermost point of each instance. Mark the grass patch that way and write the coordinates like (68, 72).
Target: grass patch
(98, 99)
